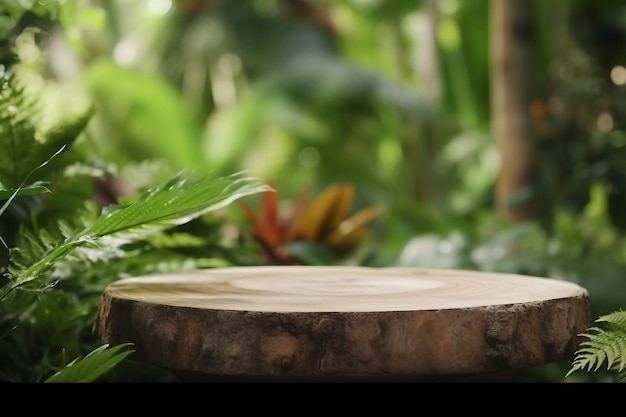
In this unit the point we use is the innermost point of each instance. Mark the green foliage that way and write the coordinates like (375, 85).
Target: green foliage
(97, 363)
(583, 248)
(604, 346)
(25, 143)
(179, 201)
(62, 249)
(236, 86)
(39, 256)
(149, 110)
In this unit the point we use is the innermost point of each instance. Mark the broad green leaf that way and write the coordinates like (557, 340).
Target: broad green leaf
(153, 115)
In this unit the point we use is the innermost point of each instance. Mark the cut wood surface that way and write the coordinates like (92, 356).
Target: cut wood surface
(343, 323)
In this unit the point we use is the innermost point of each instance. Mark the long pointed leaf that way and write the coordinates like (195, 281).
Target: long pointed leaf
(16, 192)
(178, 202)
(92, 366)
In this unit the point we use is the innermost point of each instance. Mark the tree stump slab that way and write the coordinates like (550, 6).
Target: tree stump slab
(343, 323)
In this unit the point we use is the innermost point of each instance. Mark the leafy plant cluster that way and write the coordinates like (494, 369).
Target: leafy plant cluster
(60, 248)
(241, 85)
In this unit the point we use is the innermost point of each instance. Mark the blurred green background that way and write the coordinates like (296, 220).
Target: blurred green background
(393, 97)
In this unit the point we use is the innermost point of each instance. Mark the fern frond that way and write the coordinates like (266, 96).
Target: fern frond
(24, 144)
(604, 345)
(17, 133)
(615, 319)
(182, 199)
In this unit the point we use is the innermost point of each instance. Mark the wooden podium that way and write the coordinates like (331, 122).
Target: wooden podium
(343, 323)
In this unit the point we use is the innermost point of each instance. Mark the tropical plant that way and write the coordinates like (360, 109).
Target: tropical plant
(289, 91)
(322, 232)
(605, 345)
(62, 239)
(39, 260)
(179, 201)
(33, 262)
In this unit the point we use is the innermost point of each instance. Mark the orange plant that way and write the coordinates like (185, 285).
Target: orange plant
(324, 223)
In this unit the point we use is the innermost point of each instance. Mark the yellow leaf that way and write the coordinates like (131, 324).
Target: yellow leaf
(325, 214)
(353, 230)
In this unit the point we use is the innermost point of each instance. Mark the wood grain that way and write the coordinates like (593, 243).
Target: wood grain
(342, 323)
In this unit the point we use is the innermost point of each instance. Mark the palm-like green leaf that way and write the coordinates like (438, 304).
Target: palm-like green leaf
(182, 199)
(94, 365)
(179, 201)
(604, 345)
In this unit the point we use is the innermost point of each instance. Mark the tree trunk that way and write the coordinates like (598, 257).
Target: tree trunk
(511, 85)
(429, 59)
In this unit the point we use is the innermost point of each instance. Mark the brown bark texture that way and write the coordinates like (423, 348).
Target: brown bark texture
(307, 324)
